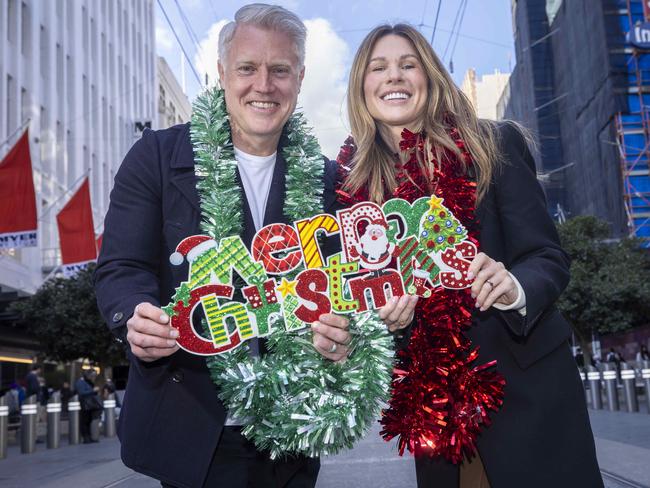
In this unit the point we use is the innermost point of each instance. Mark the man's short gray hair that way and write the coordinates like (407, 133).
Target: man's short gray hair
(272, 17)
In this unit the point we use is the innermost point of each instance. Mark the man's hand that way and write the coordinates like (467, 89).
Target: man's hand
(149, 333)
(398, 312)
(331, 336)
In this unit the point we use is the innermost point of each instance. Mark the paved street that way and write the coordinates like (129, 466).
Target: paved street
(623, 443)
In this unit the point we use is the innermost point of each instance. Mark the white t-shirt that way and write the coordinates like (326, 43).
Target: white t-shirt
(256, 174)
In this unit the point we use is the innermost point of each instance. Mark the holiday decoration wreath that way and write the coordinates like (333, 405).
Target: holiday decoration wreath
(292, 400)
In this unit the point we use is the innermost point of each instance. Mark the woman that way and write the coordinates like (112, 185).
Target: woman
(415, 134)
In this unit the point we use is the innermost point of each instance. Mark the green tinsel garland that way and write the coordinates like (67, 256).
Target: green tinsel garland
(294, 400)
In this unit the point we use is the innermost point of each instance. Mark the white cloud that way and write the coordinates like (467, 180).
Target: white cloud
(206, 59)
(164, 41)
(323, 90)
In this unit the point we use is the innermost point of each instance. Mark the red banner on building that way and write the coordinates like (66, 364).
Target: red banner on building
(77, 232)
(18, 224)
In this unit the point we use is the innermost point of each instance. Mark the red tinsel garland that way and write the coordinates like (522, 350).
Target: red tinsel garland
(440, 400)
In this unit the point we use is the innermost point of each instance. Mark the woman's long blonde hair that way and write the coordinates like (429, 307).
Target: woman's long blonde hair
(374, 162)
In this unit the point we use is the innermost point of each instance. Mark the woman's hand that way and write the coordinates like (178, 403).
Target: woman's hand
(398, 312)
(493, 284)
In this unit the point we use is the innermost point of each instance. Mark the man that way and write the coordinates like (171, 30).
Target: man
(33, 383)
(172, 423)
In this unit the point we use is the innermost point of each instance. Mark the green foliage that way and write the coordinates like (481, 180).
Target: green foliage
(63, 316)
(609, 289)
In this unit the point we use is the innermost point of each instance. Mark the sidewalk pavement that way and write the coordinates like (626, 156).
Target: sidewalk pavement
(622, 443)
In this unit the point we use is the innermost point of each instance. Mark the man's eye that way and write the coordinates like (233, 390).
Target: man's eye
(281, 71)
(246, 69)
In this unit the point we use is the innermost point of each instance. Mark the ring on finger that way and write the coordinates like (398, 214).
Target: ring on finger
(332, 349)
(490, 283)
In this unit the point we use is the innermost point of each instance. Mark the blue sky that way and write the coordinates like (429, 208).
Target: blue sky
(335, 29)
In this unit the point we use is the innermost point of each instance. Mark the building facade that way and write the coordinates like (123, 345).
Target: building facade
(484, 93)
(173, 105)
(81, 74)
(584, 90)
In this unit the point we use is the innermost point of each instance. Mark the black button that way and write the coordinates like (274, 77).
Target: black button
(118, 316)
(177, 376)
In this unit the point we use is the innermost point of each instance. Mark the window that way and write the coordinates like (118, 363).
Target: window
(12, 21)
(86, 97)
(69, 159)
(12, 123)
(26, 45)
(25, 109)
(84, 26)
(60, 155)
(44, 51)
(45, 143)
(59, 70)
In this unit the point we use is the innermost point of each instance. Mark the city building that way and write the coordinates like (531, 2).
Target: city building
(173, 105)
(484, 93)
(81, 75)
(581, 85)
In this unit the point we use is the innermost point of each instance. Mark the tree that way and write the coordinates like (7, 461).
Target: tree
(63, 316)
(609, 289)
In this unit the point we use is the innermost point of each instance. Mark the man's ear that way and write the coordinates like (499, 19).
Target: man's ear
(220, 70)
(301, 76)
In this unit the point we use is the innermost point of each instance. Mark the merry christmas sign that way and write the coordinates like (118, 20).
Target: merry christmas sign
(387, 251)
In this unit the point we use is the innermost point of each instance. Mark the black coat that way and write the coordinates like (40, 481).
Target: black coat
(541, 437)
(171, 418)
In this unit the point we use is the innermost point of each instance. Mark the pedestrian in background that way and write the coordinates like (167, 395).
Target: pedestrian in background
(91, 405)
(33, 383)
(643, 354)
(66, 394)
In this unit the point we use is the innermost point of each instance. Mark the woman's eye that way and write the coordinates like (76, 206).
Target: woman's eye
(408, 66)
(377, 68)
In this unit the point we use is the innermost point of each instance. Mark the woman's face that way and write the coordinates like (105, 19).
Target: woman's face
(395, 84)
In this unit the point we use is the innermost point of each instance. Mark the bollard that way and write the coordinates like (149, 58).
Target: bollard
(628, 376)
(109, 415)
(583, 378)
(74, 407)
(54, 420)
(609, 376)
(593, 376)
(645, 374)
(28, 419)
(4, 424)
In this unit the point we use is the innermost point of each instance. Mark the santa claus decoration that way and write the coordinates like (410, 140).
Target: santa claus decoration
(373, 249)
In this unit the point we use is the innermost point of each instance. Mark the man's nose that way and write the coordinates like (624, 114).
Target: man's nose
(263, 81)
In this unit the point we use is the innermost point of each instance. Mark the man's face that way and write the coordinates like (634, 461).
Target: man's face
(261, 76)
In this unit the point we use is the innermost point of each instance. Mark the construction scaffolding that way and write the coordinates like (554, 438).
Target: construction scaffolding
(633, 129)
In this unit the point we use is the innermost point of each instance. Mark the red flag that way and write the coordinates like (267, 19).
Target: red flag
(18, 226)
(76, 230)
